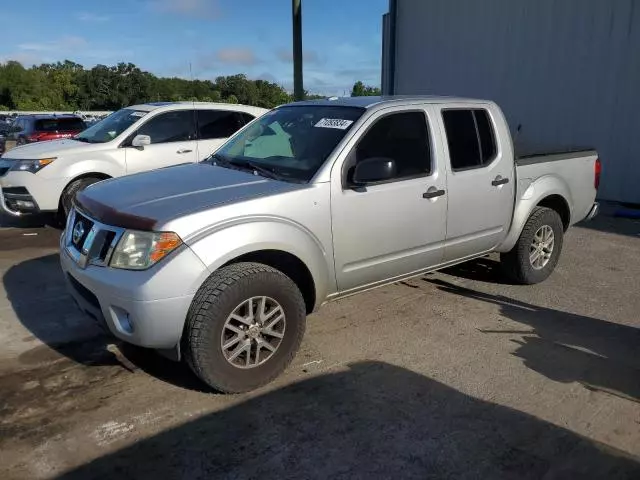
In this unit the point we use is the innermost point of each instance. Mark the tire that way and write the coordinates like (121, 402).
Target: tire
(222, 294)
(517, 264)
(69, 193)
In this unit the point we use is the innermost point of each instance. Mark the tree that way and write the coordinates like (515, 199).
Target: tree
(69, 86)
(362, 90)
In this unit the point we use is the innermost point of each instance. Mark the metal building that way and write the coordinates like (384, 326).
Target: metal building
(567, 71)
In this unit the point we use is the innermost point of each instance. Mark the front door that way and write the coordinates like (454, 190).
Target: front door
(173, 142)
(481, 182)
(383, 230)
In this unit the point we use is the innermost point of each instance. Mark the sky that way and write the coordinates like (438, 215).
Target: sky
(341, 38)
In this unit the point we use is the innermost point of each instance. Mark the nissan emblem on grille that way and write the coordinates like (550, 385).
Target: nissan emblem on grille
(78, 232)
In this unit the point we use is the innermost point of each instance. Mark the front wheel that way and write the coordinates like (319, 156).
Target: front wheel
(244, 327)
(69, 194)
(537, 252)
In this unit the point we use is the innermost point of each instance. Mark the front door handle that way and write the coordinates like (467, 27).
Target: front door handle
(184, 150)
(499, 181)
(433, 192)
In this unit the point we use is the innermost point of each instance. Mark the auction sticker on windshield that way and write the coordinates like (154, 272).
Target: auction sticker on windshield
(137, 114)
(334, 123)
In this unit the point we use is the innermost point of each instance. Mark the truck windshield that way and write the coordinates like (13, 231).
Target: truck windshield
(290, 142)
(112, 126)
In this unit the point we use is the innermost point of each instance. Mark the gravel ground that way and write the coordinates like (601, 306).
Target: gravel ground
(454, 375)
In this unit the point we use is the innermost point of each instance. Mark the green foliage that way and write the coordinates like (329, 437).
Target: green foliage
(69, 86)
(362, 90)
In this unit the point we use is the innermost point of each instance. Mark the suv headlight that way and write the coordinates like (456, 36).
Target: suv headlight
(32, 166)
(140, 250)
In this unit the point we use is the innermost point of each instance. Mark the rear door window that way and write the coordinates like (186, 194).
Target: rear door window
(218, 124)
(471, 138)
(59, 125)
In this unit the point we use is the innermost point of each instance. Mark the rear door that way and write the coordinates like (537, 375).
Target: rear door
(480, 180)
(173, 142)
(214, 127)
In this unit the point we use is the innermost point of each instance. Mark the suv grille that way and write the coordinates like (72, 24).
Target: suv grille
(90, 242)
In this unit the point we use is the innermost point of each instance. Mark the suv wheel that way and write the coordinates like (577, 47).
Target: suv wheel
(69, 193)
(244, 327)
(537, 252)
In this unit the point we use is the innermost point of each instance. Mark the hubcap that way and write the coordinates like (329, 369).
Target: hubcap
(253, 332)
(541, 247)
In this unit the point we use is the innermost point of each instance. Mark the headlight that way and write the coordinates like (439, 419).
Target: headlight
(139, 250)
(32, 166)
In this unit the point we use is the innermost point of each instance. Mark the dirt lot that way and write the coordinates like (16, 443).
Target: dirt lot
(454, 375)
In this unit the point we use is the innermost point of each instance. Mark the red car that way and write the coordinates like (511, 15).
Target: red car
(38, 128)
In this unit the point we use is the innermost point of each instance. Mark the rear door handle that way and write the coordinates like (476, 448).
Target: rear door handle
(499, 181)
(433, 192)
(184, 150)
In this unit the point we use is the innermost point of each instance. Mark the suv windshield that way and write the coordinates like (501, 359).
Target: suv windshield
(291, 142)
(59, 125)
(112, 126)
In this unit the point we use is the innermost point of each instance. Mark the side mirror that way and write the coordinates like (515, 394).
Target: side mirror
(140, 141)
(375, 169)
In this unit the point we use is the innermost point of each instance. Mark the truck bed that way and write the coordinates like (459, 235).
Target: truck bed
(572, 171)
(532, 157)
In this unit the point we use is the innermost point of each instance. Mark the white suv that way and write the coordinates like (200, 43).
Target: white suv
(44, 177)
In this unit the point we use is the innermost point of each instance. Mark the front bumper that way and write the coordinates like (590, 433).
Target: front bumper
(24, 193)
(146, 308)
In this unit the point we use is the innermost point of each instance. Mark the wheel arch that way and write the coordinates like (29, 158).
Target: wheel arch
(549, 191)
(285, 246)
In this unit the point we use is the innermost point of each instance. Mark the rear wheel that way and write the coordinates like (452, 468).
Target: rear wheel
(244, 327)
(537, 252)
(69, 194)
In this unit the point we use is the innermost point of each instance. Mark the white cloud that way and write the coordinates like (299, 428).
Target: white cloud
(92, 17)
(62, 44)
(206, 9)
(237, 56)
(27, 59)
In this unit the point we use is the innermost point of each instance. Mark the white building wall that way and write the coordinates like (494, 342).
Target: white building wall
(568, 71)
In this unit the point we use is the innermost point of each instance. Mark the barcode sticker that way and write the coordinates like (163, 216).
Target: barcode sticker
(338, 123)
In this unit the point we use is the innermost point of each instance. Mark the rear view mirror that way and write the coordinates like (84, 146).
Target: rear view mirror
(140, 141)
(376, 169)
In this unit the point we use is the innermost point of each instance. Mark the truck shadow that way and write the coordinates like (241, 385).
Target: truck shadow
(482, 269)
(373, 420)
(566, 347)
(37, 292)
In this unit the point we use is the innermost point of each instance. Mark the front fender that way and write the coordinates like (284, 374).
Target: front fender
(534, 193)
(226, 242)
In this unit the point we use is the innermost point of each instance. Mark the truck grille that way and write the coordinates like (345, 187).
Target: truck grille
(90, 242)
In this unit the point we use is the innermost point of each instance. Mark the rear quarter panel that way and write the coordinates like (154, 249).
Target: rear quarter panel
(569, 175)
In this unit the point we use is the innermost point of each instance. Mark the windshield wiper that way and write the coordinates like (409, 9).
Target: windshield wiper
(81, 139)
(246, 165)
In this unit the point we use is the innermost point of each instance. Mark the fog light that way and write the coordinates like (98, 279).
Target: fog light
(25, 204)
(123, 323)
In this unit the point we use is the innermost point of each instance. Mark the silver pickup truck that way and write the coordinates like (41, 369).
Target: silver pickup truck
(220, 262)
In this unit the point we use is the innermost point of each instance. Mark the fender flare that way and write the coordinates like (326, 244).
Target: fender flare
(535, 193)
(219, 245)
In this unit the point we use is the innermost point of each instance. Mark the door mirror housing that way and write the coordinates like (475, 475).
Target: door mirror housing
(140, 141)
(375, 169)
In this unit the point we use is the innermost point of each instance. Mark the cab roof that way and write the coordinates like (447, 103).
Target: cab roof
(368, 102)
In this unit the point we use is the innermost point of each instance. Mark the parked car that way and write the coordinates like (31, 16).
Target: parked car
(219, 263)
(46, 177)
(39, 128)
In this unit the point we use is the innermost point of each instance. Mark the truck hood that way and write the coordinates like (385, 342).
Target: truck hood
(52, 148)
(146, 200)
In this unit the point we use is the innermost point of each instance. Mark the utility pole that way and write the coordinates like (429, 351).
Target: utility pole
(298, 89)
